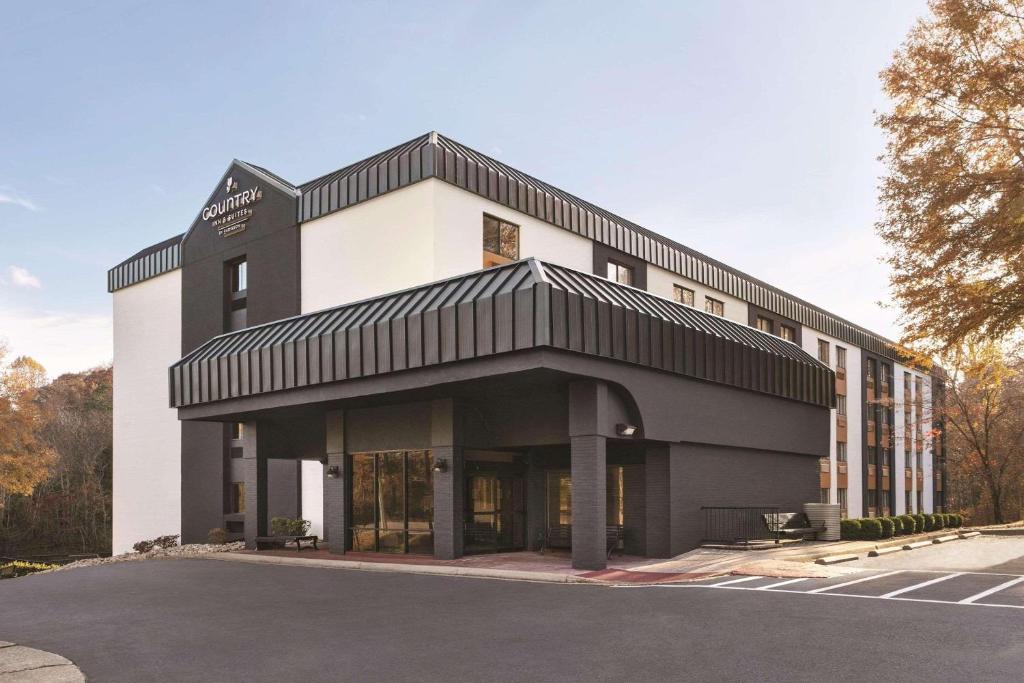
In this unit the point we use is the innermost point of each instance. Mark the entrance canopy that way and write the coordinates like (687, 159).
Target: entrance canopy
(528, 304)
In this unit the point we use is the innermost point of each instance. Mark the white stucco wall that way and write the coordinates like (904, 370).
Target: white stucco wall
(147, 435)
(661, 282)
(313, 495)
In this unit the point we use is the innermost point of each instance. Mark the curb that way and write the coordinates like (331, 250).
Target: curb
(884, 551)
(833, 559)
(969, 534)
(914, 546)
(946, 539)
(397, 568)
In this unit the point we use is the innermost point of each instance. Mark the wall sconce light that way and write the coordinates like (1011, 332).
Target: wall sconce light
(333, 472)
(625, 430)
(441, 465)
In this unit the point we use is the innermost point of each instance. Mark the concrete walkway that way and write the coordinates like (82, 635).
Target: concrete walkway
(28, 665)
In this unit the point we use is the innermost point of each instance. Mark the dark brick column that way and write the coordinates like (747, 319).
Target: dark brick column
(449, 485)
(657, 501)
(587, 416)
(634, 509)
(336, 489)
(254, 464)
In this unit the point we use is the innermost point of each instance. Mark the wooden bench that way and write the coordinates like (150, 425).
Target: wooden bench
(280, 542)
(791, 525)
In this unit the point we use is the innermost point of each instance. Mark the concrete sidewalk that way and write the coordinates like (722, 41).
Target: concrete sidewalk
(28, 665)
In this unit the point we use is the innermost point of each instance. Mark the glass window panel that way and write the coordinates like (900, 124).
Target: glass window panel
(509, 241)
(492, 235)
(391, 490)
(421, 491)
(564, 499)
(421, 543)
(682, 295)
(362, 490)
(391, 541)
(613, 496)
(764, 324)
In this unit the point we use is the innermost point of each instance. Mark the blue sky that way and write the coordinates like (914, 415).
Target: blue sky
(742, 129)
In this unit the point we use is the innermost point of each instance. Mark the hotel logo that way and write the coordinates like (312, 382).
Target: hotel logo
(229, 215)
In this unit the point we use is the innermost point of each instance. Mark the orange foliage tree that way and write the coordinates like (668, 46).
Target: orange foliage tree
(25, 459)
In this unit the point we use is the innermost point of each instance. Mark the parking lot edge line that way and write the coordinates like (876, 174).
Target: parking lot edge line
(860, 580)
(990, 591)
(914, 587)
(740, 580)
(781, 583)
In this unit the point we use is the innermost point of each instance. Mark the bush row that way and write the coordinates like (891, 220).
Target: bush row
(18, 568)
(874, 528)
(158, 542)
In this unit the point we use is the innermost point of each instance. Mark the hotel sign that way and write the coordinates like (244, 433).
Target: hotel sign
(229, 215)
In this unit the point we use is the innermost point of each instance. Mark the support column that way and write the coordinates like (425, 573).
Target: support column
(449, 484)
(254, 463)
(657, 465)
(335, 488)
(588, 403)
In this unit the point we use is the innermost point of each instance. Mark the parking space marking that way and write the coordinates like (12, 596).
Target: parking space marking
(729, 583)
(990, 591)
(780, 583)
(914, 587)
(860, 580)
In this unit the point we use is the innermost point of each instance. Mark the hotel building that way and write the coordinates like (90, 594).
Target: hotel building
(429, 351)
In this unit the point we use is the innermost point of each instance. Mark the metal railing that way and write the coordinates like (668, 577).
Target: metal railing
(740, 524)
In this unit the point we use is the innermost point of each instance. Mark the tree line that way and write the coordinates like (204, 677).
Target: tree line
(55, 460)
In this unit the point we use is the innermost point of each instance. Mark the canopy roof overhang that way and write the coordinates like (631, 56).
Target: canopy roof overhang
(460, 327)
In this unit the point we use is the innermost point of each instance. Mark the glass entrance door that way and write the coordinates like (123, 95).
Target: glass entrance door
(495, 514)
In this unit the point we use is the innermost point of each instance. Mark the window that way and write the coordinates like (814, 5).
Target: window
(787, 333)
(682, 295)
(239, 276)
(764, 324)
(237, 497)
(909, 503)
(920, 501)
(841, 499)
(823, 351)
(392, 502)
(501, 241)
(714, 306)
(872, 500)
(825, 498)
(840, 404)
(840, 451)
(840, 357)
(620, 273)
(237, 431)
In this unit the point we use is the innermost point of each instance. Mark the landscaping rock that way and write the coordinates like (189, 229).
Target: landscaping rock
(178, 551)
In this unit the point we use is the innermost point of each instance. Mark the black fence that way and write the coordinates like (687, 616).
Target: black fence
(740, 524)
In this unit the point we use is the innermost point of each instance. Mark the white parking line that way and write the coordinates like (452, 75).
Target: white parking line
(780, 583)
(729, 583)
(990, 591)
(914, 587)
(850, 583)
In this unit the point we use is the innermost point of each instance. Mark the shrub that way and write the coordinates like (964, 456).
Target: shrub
(849, 529)
(888, 527)
(929, 522)
(217, 536)
(940, 521)
(871, 529)
(143, 546)
(286, 526)
(166, 541)
(908, 523)
(958, 520)
(919, 523)
(11, 570)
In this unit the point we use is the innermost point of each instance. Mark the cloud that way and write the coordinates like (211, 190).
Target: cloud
(9, 196)
(20, 277)
(61, 341)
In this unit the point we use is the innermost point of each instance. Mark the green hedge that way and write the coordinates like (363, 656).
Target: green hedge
(849, 529)
(286, 526)
(871, 529)
(875, 528)
(888, 527)
(908, 524)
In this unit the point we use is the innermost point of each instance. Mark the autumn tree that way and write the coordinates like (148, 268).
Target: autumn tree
(25, 458)
(953, 194)
(984, 419)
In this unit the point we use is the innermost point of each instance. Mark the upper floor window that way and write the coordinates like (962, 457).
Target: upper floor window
(840, 404)
(501, 241)
(239, 276)
(237, 431)
(787, 333)
(764, 324)
(714, 306)
(840, 357)
(620, 273)
(823, 351)
(682, 295)
(840, 451)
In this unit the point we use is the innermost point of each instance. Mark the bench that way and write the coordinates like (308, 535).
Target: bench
(280, 542)
(791, 525)
(481, 535)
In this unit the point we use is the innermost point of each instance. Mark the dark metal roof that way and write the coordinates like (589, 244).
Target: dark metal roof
(522, 305)
(150, 262)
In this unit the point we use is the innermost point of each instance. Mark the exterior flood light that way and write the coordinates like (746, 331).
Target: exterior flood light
(333, 472)
(441, 465)
(625, 430)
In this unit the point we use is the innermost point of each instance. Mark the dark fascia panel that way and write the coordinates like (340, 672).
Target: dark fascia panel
(148, 263)
(522, 305)
(437, 156)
